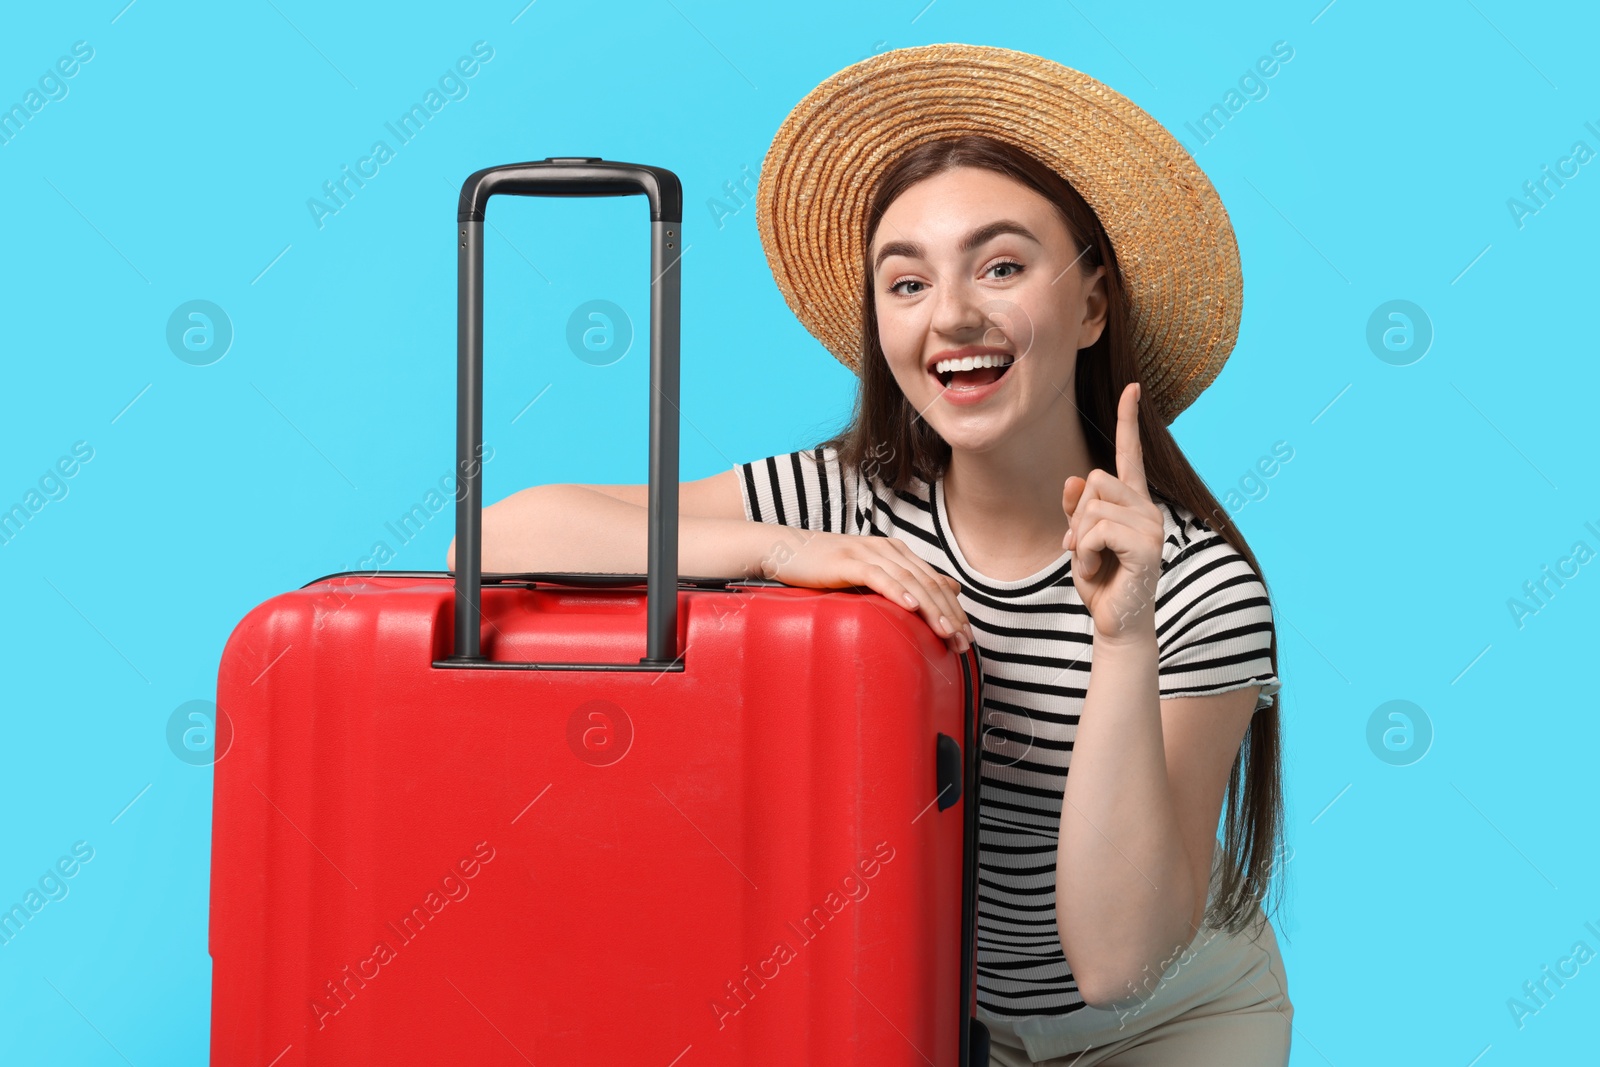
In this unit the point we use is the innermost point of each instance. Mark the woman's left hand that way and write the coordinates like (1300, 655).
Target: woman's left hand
(1116, 533)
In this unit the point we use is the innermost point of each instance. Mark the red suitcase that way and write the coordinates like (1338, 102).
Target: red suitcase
(567, 819)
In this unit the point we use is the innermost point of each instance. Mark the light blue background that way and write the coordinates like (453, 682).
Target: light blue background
(1419, 499)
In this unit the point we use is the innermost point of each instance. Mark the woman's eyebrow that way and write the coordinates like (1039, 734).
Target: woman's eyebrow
(972, 240)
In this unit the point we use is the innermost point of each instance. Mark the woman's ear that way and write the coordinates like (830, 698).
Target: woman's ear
(1095, 308)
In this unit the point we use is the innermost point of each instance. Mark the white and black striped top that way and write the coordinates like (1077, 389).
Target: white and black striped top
(1034, 637)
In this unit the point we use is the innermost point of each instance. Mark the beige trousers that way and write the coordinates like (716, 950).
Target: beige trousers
(1225, 1004)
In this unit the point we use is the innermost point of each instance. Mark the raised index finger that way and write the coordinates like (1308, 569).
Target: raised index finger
(1130, 455)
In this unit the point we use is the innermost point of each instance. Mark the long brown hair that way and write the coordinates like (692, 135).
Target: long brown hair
(886, 436)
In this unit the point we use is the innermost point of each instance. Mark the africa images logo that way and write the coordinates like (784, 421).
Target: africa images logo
(451, 85)
(342, 989)
(811, 926)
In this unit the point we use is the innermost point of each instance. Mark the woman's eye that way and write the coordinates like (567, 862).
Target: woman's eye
(895, 288)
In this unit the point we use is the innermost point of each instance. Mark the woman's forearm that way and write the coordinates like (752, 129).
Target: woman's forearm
(1124, 892)
(566, 528)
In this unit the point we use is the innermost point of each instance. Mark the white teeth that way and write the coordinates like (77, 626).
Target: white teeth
(971, 363)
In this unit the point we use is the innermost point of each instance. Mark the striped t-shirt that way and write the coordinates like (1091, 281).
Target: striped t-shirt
(1034, 639)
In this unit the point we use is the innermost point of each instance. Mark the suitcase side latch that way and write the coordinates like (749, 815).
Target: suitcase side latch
(947, 770)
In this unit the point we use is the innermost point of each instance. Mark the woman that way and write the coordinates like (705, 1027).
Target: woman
(927, 214)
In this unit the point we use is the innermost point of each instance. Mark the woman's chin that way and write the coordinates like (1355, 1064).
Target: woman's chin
(967, 431)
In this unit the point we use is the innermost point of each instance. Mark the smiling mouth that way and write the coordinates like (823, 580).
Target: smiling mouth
(973, 378)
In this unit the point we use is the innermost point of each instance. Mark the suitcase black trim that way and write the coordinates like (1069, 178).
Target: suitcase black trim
(974, 1035)
(580, 578)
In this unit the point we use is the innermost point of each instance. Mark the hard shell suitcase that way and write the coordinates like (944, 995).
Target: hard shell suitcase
(575, 819)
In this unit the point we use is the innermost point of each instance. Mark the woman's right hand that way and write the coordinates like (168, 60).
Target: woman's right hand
(886, 565)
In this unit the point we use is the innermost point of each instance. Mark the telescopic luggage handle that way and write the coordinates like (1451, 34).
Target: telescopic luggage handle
(572, 176)
(591, 176)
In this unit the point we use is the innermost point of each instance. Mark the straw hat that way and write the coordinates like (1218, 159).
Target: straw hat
(1170, 232)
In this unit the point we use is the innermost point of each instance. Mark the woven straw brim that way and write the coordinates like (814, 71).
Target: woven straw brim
(1168, 228)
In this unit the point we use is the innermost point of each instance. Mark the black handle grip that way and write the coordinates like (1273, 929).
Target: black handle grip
(573, 176)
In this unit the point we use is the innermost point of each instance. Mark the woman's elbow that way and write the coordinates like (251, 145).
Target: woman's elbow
(1112, 984)
(1103, 983)
(1097, 992)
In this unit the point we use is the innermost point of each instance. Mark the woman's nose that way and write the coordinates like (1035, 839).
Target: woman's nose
(957, 311)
